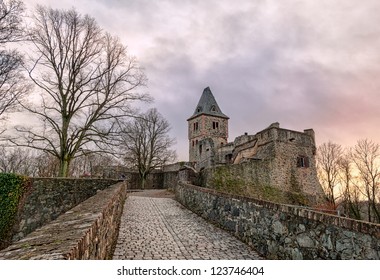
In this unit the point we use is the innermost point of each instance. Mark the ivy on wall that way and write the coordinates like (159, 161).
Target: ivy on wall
(12, 188)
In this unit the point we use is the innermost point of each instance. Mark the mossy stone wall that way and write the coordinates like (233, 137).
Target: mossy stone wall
(12, 190)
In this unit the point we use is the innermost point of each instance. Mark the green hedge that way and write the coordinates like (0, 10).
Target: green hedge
(12, 188)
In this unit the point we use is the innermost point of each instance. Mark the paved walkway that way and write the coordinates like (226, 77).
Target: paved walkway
(156, 227)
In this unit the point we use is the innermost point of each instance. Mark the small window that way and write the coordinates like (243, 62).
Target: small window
(199, 109)
(215, 125)
(303, 161)
(228, 157)
(200, 149)
(213, 108)
(196, 126)
(193, 143)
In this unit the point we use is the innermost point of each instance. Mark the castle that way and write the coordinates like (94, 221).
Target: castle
(274, 164)
(277, 157)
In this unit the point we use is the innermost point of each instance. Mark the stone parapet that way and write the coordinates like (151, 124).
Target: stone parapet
(50, 197)
(87, 231)
(279, 231)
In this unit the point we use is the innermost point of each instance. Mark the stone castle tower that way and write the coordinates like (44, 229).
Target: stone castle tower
(207, 130)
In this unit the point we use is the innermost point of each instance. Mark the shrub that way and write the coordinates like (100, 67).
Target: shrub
(12, 189)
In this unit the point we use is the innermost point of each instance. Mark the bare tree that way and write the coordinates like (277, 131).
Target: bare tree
(366, 156)
(11, 13)
(45, 165)
(84, 166)
(146, 143)
(15, 160)
(12, 85)
(328, 158)
(350, 189)
(86, 81)
(27, 162)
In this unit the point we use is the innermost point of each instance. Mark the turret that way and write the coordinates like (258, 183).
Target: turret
(207, 128)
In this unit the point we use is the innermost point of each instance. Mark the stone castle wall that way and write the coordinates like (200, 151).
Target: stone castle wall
(86, 232)
(267, 178)
(48, 198)
(275, 164)
(274, 157)
(280, 231)
(158, 179)
(155, 180)
(290, 177)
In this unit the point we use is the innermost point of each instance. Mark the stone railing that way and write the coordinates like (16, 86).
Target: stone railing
(49, 198)
(280, 231)
(87, 231)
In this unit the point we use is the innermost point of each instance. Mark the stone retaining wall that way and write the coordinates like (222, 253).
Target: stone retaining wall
(50, 197)
(88, 231)
(280, 231)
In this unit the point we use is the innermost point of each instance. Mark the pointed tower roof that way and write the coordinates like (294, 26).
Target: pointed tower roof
(207, 106)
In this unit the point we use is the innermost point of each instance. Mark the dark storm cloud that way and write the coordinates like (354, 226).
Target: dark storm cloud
(305, 64)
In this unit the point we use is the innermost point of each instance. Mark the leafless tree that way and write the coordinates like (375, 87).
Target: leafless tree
(350, 188)
(366, 156)
(328, 158)
(12, 83)
(11, 12)
(86, 81)
(146, 143)
(27, 162)
(45, 165)
(15, 160)
(84, 166)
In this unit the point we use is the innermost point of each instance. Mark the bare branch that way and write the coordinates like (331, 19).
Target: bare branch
(11, 13)
(366, 157)
(328, 159)
(87, 81)
(12, 83)
(146, 143)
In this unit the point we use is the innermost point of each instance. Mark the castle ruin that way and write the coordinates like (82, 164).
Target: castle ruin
(276, 157)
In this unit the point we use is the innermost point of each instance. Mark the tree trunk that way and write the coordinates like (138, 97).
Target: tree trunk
(64, 167)
(143, 180)
(143, 175)
(354, 211)
(369, 211)
(375, 211)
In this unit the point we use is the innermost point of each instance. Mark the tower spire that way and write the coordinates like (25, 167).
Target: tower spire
(207, 105)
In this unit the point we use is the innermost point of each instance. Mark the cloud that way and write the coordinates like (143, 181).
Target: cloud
(306, 64)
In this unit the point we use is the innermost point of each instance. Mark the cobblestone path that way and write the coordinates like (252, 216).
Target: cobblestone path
(162, 229)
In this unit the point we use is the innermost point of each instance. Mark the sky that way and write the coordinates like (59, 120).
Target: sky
(304, 64)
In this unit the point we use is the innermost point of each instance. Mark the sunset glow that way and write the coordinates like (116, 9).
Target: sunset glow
(305, 64)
